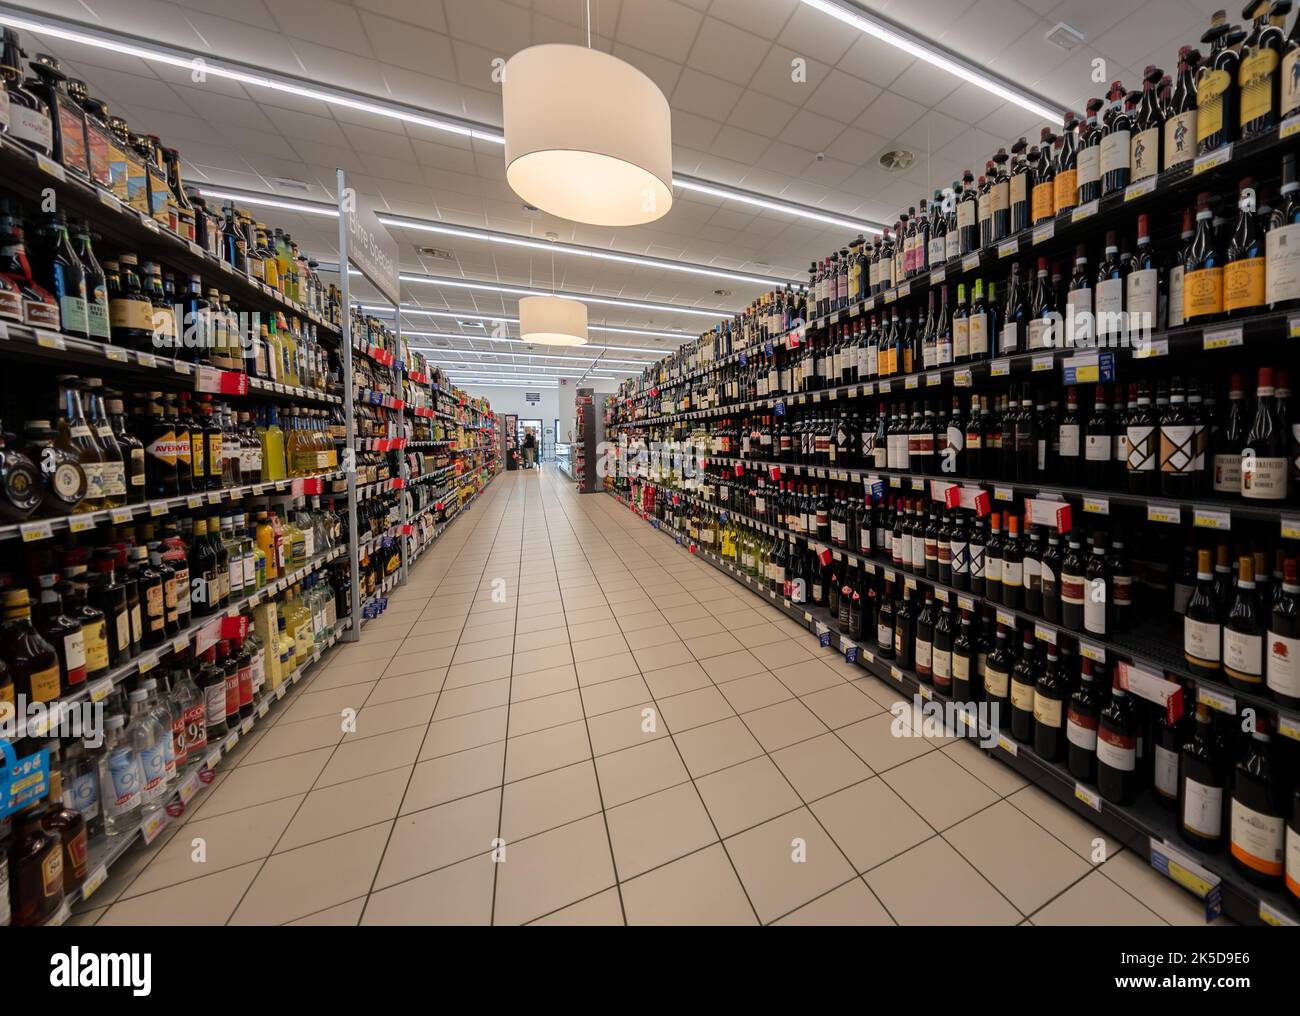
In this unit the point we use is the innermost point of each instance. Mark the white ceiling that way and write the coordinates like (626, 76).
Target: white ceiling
(725, 65)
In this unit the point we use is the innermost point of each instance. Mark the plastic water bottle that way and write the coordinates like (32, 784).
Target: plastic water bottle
(120, 778)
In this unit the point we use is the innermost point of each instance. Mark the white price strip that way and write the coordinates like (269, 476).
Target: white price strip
(963, 378)
(970, 262)
(231, 740)
(1222, 338)
(896, 674)
(99, 690)
(1044, 362)
(33, 531)
(1044, 232)
(1096, 505)
(1008, 745)
(1170, 513)
(1006, 618)
(147, 359)
(1095, 653)
(1000, 368)
(262, 709)
(1288, 726)
(1008, 247)
(1003, 494)
(1140, 189)
(81, 523)
(94, 880)
(1289, 127)
(1160, 347)
(116, 353)
(1216, 700)
(1270, 914)
(152, 826)
(147, 662)
(1207, 519)
(910, 382)
(933, 379)
(1290, 527)
(1211, 160)
(247, 725)
(213, 757)
(1088, 796)
(120, 515)
(1045, 634)
(189, 788)
(1084, 211)
(927, 692)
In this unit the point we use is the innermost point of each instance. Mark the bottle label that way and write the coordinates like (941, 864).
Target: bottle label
(1257, 839)
(153, 764)
(978, 337)
(1243, 284)
(1256, 77)
(995, 683)
(1119, 751)
(1201, 641)
(1243, 655)
(1114, 152)
(1019, 188)
(992, 568)
(1144, 154)
(1142, 296)
(1023, 695)
(1122, 590)
(952, 245)
(136, 315)
(72, 312)
(45, 684)
(1177, 296)
(1072, 589)
(1068, 440)
(1013, 573)
(74, 652)
(81, 793)
(961, 338)
(1293, 862)
(1180, 139)
(1177, 448)
(966, 212)
(923, 654)
(94, 638)
(1047, 711)
(114, 479)
(1282, 254)
(1210, 102)
(1165, 774)
(1040, 331)
(1066, 189)
(1094, 607)
(32, 126)
(936, 250)
(1081, 730)
(1089, 165)
(124, 775)
(1043, 206)
(1263, 479)
(960, 667)
(1284, 664)
(1202, 808)
(1110, 306)
(1141, 448)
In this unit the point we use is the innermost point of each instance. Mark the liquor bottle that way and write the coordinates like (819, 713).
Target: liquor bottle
(1202, 785)
(1180, 122)
(60, 272)
(32, 662)
(1073, 584)
(211, 681)
(1117, 742)
(64, 633)
(1264, 463)
(979, 325)
(1079, 322)
(1243, 631)
(1081, 722)
(996, 677)
(29, 120)
(1018, 188)
(1243, 271)
(1142, 442)
(1282, 259)
(66, 116)
(1148, 123)
(1257, 831)
(941, 666)
(1096, 602)
(1013, 565)
(1117, 131)
(1050, 699)
(1042, 196)
(1108, 309)
(1166, 741)
(885, 621)
(967, 216)
(1257, 75)
(924, 640)
(1217, 97)
(1282, 670)
(1024, 682)
(1089, 157)
(1202, 279)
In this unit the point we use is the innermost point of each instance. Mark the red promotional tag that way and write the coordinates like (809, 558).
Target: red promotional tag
(406, 529)
(982, 503)
(398, 404)
(1064, 520)
(824, 556)
(398, 483)
(952, 496)
(313, 485)
(774, 472)
(739, 469)
(234, 627)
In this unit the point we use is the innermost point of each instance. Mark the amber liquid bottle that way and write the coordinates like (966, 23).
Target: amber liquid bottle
(35, 869)
(33, 663)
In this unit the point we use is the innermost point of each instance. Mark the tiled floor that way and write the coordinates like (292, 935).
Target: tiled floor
(564, 718)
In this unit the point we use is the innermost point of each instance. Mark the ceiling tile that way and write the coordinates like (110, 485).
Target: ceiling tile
(705, 95)
(810, 33)
(321, 21)
(494, 25)
(872, 60)
(427, 13)
(766, 17)
(743, 146)
(405, 45)
(778, 76)
(924, 84)
(856, 146)
(694, 131)
(981, 33)
(811, 131)
(663, 73)
(727, 51)
(783, 158)
(842, 97)
(664, 27)
(890, 115)
(761, 115)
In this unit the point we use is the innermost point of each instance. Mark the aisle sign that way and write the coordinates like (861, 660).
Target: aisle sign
(370, 247)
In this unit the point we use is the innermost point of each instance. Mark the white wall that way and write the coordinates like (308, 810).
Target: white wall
(556, 402)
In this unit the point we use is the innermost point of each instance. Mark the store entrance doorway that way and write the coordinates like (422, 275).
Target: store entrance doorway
(522, 428)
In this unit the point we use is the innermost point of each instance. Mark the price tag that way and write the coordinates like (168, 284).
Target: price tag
(1006, 618)
(280, 692)
(1084, 211)
(896, 674)
(117, 353)
(1003, 494)
(99, 690)
(1000, 368)
(51, 167)
(1096, 505)
(180, 643)
(939, 274)
(120, 515)
(1044, 362)
(1008, 247)
(886, 387)
(1288, 726)
(147, 662)
(941, 595)
(81, 523)
(1180, 868)
(1212, 160)
(152, 826)
(1087, 795)
(213, 757)
(1044, 232)
(1008, 745)
(1093, 652)
(1140, 189)
(247, 725)
(1222, 338)
(262, 709)
(1207, 519)
(1045, 634)
(1289, 127)
(1270, 914)
(33, 531)
(97, 877)
(1216, 700)
(926, 691)
(970, 262)
(231, 740)
(1160, 347)
(146, 359)
(910, 382)
(158, 508)
(965, 602)
(50, 340)
(1170, 513)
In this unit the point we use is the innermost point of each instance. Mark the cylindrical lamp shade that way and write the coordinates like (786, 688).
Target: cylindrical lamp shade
(588, 137)
(553, 321)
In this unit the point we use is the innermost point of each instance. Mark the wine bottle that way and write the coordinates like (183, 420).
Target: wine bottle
(1243, 631)
(1282, 672)
(1148, 123)
(1264, 464)
(1117, 130)
(1243, 271)
(1081, 722)
(996, 677)
(1117, 743)
(1217, 96)
(1257, 831)
(1202, 785)
(1257, 76)
(1180, 122)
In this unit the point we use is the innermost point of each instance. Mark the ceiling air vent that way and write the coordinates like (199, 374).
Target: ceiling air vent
(437, 253)
(897, 160)
(290, 183)
(1066, 36)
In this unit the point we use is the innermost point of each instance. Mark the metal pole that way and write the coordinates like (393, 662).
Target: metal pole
(405, 495)
(349, 414)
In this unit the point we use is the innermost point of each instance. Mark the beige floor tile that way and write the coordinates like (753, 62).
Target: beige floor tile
(841, 705)
(746, 795)
(640, 770)
(209, 900)
(599, 647)
(246, 786)
(1075, 832)
(582, 615)
(999, 778)
(754, 692)
(622, 728)
(783, 724)
(367, 650)
(342, 916)
(472, 699)
(331, 811)
(653, 830)
(932, 884)
(465, 675)
(604, 909)
(1096, 900)
(939, 790)
(545, 750)
(640, 620)
(732, 666)
(588, 630)
(658, 657)
(354, 759)
(311, 878)
(870, 823)
(610, 695)
(697, 627)
(339, 675)
(762, 634)
(1169, 901)
(541, 622)
(413, 663)
(543, 683)
(875, 743)
(460, 894)
(449, 777)
(541, 659)
(852, 904)
(292, 739)
(647, 638)
(694, 708)
(542, 639)
(707, 646)
(436, 837)
(393, 689)
(547, 872)
(820, 766)
(386, 717)
(700, 888)
(608, 668)
(710, 748)
(782, 654)
(429, 643)
(548, 711)
(552, 799)
(809, 677)
(677, 679)
(491, 648)
(777, 882)
(1017, 855)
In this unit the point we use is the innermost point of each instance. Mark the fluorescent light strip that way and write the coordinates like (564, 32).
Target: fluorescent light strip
(513, 370)
(243, 197)
(442, 281)
(855, 18)
(572, 250)
(504, 384)
(747, 198)
(659, 353)
(454, 315)
(540, 356)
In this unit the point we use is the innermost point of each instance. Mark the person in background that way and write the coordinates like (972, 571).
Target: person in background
(530, 448)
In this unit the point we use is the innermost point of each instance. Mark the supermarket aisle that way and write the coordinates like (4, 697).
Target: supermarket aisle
(634, 737)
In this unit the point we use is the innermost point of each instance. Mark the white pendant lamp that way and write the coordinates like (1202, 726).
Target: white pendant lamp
(588, 137)
(553, 321)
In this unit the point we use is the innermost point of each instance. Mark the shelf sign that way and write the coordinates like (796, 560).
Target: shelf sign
(823, 635)
(1089, 368)
(1043, 512)
(369, 246)
(1177, 866)
(23, 780)
(1154, 688)
(220, 382)
(779, 408)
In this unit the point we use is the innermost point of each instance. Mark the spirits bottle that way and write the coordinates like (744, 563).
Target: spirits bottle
(30, 123)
